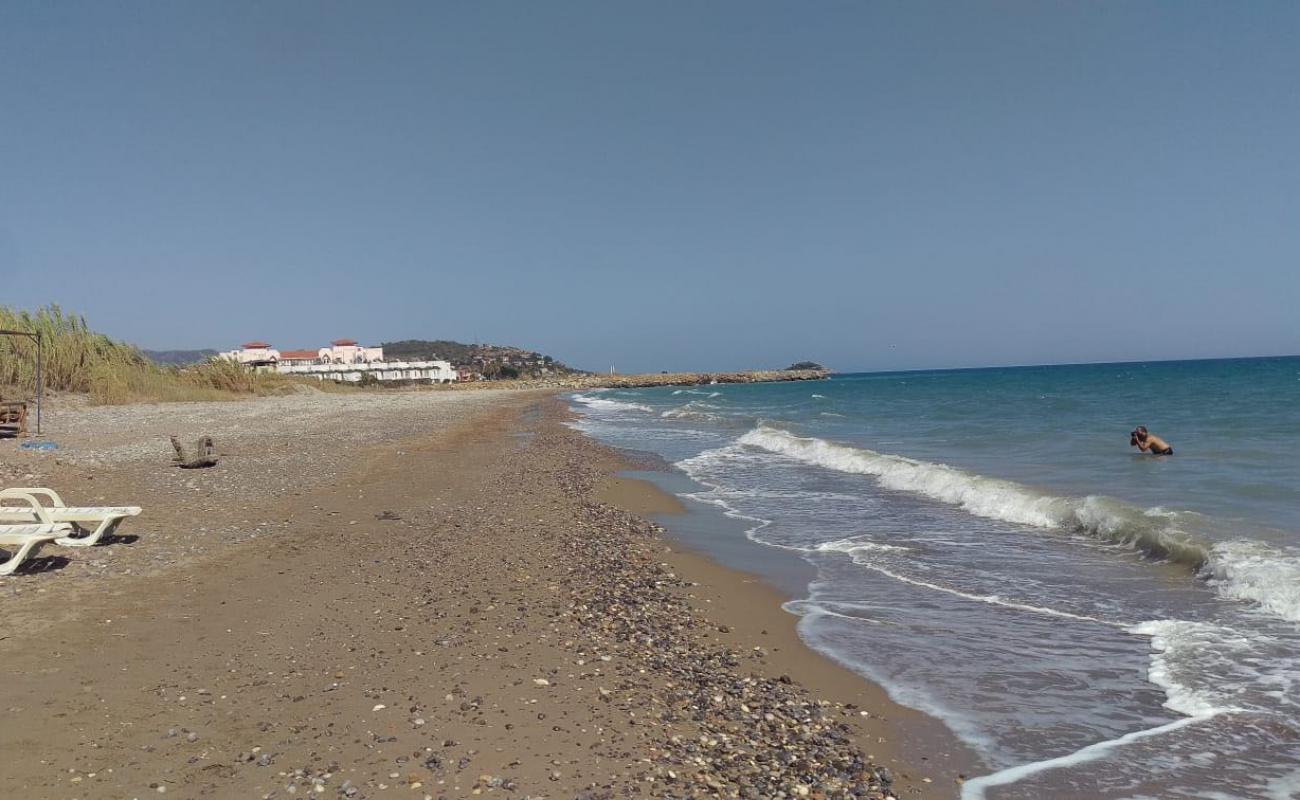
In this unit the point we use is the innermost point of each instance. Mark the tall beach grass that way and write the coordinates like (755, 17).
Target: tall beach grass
(77, 359)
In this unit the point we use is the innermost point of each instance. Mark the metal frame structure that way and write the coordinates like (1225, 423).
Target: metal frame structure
(40, 385)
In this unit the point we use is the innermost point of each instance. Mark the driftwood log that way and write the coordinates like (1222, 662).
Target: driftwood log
(204, 455)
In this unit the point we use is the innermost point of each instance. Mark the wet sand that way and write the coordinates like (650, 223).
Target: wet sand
(436, 606)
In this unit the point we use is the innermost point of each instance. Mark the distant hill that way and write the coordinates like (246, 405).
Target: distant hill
(179, 358)
(489, 360)
(416, 349)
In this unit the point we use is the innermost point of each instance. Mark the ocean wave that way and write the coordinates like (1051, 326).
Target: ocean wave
(1255, 572)
(992, 498)
(695, 409)
(605, 404)
(976, 788)
(852, 546)
(1241, 570)
(1178, 649)
(856, 549)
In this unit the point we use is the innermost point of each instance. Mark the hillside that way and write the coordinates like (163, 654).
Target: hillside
(416, 349)
(489, 360)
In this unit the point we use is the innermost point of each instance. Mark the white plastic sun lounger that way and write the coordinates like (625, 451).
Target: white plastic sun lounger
(23, 541)
(87, 524)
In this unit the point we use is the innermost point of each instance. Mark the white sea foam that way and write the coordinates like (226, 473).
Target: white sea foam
(605, 404)
(693, 410)
(1253, 571)
(1246, 571)
(1177, 646)
(860, 554)
(975, 789)
(804, 608)
(1284, 787)
(852, 546)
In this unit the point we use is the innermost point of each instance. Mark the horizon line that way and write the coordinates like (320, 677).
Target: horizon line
(1122, 362)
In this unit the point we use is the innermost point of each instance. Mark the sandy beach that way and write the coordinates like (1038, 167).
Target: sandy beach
(413, 594)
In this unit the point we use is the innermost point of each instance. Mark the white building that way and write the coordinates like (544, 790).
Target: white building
(431, 371)
(346, 351)
(344, 360)
(254, 353)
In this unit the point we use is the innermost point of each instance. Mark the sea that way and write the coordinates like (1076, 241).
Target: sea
(984, 544)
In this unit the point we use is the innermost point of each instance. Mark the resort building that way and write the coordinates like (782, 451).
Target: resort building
(346, 351)
(299, 358)
(387, 371)
(254, 354)
(344, 360)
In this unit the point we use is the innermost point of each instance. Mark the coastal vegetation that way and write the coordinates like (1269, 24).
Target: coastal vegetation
(77, 359)
(799, 366)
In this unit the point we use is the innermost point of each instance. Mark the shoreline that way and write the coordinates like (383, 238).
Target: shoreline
(913, 744)
(383, 594)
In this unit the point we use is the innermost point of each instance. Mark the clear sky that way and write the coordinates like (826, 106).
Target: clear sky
(662, 185)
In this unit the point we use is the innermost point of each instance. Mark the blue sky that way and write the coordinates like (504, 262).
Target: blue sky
(667, 185)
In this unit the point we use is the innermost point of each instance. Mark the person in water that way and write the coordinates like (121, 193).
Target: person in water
(1149, 442)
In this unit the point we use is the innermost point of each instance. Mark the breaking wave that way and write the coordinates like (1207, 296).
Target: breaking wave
(693, 410)
(1241, 570)
(606, 404)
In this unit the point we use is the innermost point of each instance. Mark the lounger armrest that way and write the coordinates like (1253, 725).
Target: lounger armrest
(41, 512)
(54, 500)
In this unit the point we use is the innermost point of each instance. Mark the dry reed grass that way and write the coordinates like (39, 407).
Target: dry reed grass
(77, 359)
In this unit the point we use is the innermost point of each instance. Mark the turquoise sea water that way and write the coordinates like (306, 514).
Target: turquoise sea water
(1091, 621)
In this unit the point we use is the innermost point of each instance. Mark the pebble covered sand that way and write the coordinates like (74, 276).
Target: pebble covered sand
(406, 594)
